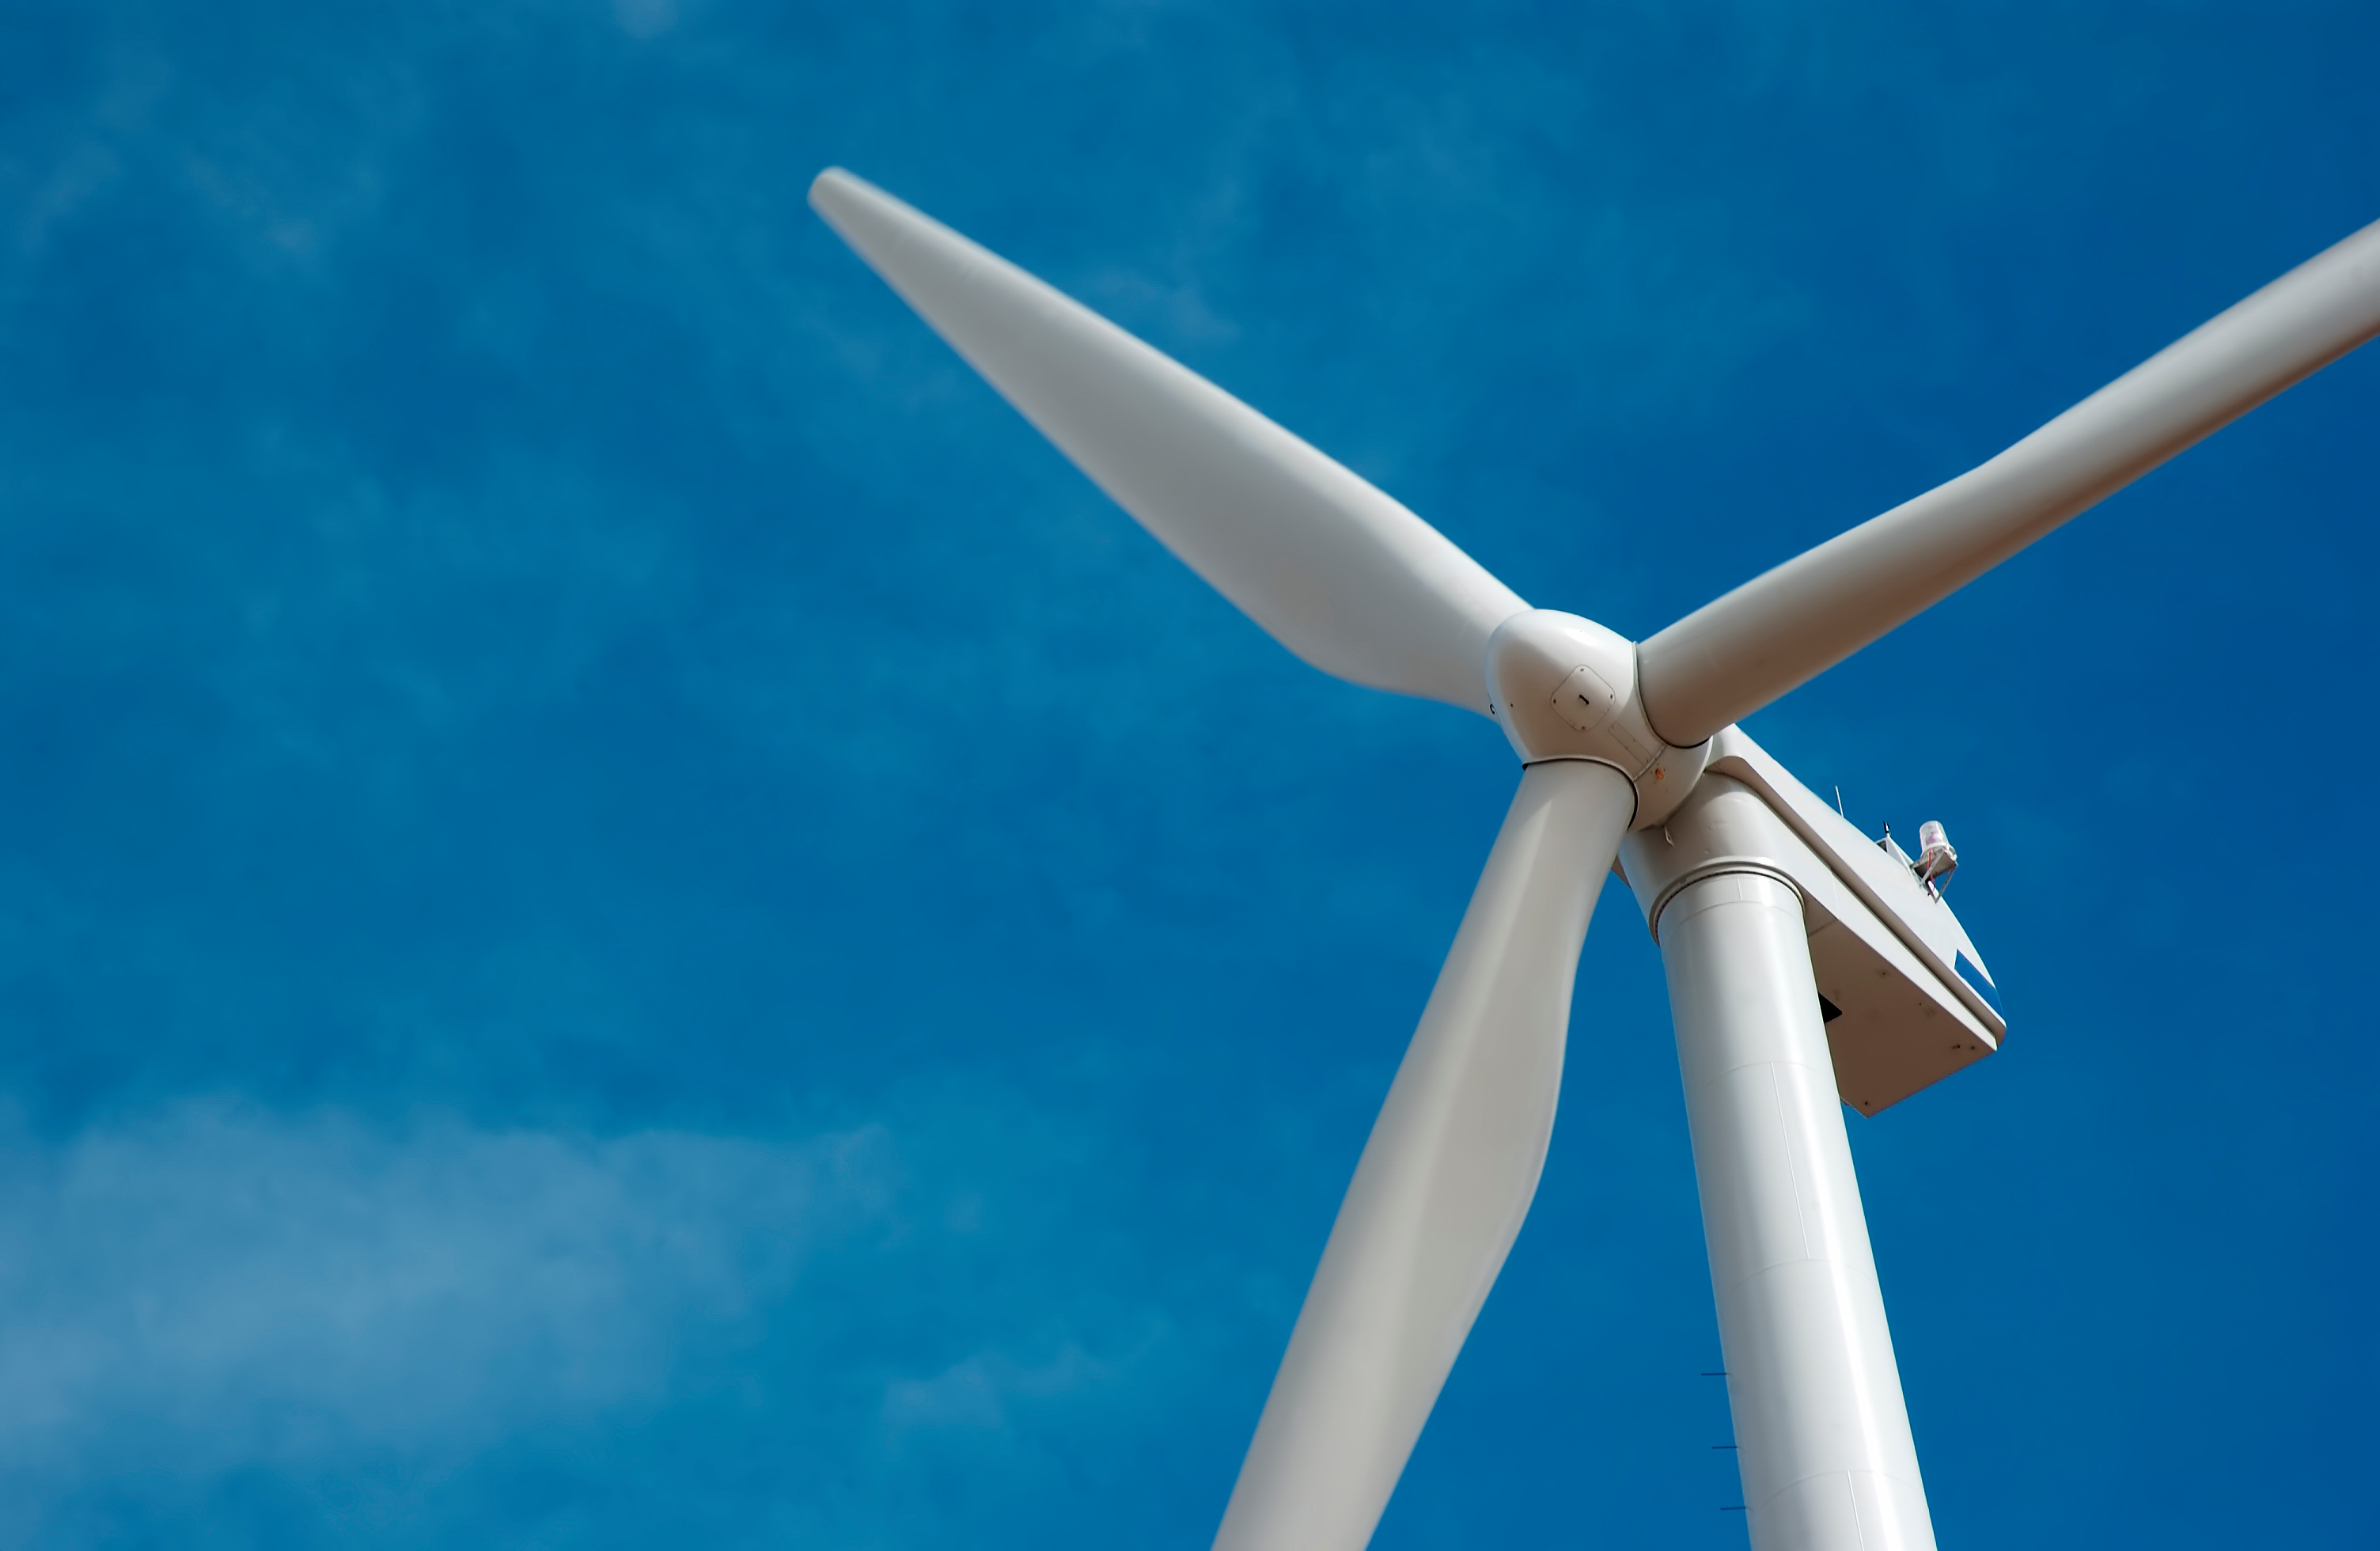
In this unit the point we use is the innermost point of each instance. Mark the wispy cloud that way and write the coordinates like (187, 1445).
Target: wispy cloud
(215, 1293)
(645, 18)
(231, 1287)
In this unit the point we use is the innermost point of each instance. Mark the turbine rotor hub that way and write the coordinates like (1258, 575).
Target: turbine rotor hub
(1564, 687)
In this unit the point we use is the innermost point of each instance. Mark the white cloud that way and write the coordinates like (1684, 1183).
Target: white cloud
(645, 18)
(975, 1393)
(258, 1288)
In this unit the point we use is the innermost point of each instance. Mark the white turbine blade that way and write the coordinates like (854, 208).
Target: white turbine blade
(1443, 1183)
(1734, 655)
(1336, 571)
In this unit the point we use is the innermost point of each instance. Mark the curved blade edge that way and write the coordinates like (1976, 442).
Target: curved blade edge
(1443, 1184)
(1739, 652)
(1332, 568)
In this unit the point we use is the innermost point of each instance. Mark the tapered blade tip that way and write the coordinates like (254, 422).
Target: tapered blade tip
(833, 188)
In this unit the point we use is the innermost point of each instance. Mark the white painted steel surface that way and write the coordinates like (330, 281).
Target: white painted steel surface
(1884, 885)
(1443, 1184)
(1821, 1432)
(1734, 655)
(1335, 570)
(1881, 951)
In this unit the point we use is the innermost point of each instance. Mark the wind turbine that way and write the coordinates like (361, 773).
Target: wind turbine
(1806, 964)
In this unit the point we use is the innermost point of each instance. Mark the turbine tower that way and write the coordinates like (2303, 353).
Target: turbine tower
(1809, 967)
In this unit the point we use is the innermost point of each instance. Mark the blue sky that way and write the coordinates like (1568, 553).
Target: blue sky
(627, 913)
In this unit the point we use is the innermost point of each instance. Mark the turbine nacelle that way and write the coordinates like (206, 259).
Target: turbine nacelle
(1564, 687)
